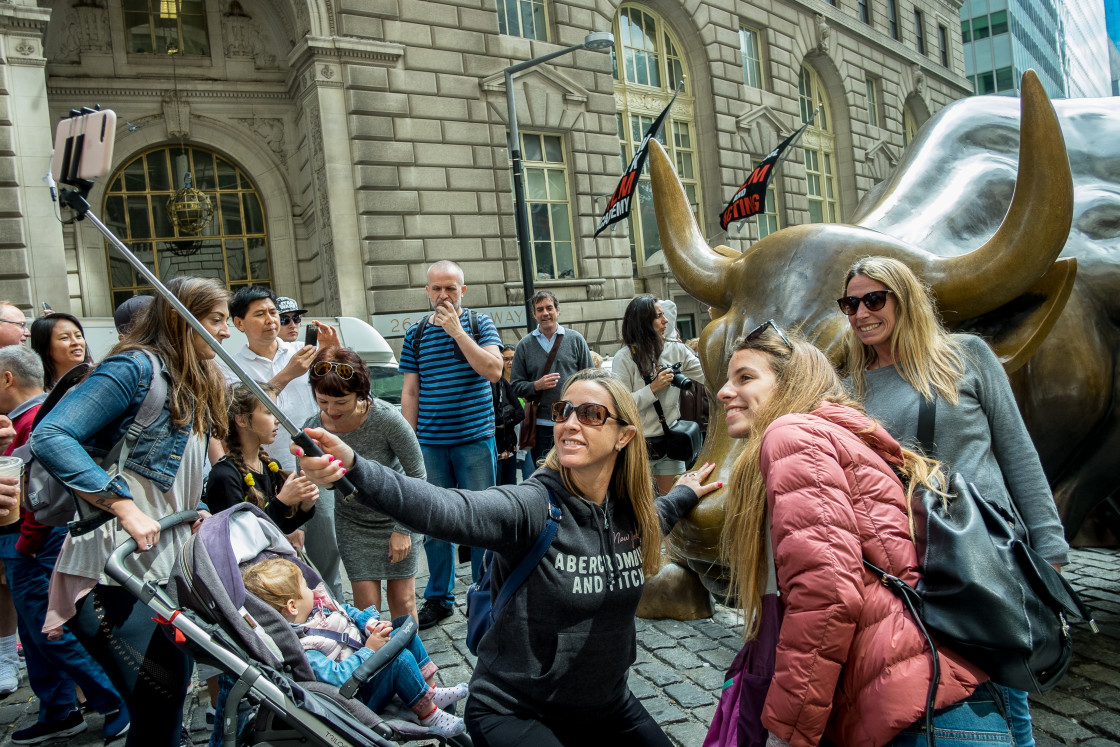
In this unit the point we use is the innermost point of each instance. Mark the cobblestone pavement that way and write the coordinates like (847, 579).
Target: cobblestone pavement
(680, 670)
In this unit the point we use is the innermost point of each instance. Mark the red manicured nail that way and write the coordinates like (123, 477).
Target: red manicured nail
(344, 470)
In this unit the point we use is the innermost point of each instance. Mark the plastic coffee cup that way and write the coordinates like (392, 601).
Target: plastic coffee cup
(11, 467)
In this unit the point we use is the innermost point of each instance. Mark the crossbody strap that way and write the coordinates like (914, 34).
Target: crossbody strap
(548, 363)
(927, 412)
(531, 559)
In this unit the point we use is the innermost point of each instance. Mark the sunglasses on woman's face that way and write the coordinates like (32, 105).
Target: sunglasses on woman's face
(756, 333)
(589, 413)
(293, 319)
(322, 368)
(874, 301)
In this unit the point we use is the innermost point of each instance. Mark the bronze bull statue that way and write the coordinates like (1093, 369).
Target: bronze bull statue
(994, 242)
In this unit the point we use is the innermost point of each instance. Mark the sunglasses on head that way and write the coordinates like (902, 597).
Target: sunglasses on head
(589, 413)
(874, 301)
(293, 319)
(344, 370)
(758, 331)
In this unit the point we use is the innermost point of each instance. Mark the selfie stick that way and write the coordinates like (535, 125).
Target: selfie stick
(76, 199)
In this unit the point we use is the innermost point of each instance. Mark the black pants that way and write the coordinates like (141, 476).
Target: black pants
(629, 725)
(148, 670)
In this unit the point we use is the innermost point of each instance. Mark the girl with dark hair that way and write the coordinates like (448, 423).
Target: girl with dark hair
(813, 493)
(60, 341)
(248, 473)
(645, 364)
(373, 546)
(552, 670)
(163, 475)
(508, 414)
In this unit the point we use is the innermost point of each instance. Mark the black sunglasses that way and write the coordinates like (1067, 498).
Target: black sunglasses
(344, 370)
(293, 319)
(589, 413)
(756, 333)
(874, 301)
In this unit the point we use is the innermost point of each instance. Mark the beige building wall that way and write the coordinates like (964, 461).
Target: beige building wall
(375, 132)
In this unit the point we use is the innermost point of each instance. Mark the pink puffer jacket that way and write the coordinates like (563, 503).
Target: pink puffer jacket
(851, 663)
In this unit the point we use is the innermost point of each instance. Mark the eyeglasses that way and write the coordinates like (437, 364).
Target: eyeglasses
(21, 325)
(293, 319)
(757, 332)
(589, 413)
(874, 301)
(344, 370)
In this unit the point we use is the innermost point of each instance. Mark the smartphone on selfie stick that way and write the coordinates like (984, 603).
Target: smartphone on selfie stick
(83, 152)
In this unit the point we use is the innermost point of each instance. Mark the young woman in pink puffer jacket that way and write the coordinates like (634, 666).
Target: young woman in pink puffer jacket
(818, 475)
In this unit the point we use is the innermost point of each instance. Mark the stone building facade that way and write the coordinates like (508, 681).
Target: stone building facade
(348, 143)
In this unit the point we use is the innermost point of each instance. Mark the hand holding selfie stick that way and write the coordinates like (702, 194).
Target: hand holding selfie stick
(90, 133)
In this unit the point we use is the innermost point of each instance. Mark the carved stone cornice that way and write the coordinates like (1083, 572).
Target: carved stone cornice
(140, 93)
(311, 49)
(761, 129)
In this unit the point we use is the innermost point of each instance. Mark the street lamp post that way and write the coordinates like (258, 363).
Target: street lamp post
(599, 41)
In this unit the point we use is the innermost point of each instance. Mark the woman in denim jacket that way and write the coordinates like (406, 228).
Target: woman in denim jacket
(163, 475)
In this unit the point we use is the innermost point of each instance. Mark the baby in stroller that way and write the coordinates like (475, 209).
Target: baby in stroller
(332, 638)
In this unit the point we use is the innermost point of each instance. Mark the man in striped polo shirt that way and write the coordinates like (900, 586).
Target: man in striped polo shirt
(449, 403)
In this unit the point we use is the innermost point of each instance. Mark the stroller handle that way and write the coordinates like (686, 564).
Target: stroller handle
(380, 658)
(114, 567)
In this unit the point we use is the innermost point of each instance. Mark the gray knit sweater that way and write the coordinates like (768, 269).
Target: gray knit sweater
(529, 360)
(982, 437)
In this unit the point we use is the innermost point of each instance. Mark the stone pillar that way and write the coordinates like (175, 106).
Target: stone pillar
(332, 179)
(32, 258)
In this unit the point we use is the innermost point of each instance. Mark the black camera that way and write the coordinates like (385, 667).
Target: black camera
(680, 381)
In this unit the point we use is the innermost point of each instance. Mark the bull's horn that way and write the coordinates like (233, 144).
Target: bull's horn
(700, 270)
(1032, 233)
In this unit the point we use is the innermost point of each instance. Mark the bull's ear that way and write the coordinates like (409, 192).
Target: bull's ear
(1016, 329)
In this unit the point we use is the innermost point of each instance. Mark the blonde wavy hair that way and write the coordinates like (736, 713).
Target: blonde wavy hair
(274, 581)
(631, 483)
(804, 378)
(925, 354)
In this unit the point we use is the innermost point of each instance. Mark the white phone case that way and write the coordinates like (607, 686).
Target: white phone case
(83, 146)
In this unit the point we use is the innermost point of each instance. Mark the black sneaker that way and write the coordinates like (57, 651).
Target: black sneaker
(74, 723)
(431, 613)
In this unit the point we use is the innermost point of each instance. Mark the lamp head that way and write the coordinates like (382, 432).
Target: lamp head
(598, 41)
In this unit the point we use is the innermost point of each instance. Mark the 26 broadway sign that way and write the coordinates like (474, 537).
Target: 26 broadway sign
(395, 325)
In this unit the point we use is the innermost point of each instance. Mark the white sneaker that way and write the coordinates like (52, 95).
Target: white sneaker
(9, 678)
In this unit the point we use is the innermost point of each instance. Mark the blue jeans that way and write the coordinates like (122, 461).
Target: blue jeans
(402, 678)
(976, 720)
(1020, 713)
(468, 466)
(52, 666)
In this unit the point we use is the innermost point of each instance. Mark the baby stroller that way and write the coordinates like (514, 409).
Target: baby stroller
(207, 606)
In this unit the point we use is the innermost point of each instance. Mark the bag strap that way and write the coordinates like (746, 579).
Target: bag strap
(423, 324)
(342, 638)
(660, 414)
(531, 559)
(548, 362)
(927, 412)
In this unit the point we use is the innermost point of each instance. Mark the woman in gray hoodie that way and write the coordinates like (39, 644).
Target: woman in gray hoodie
(553, 668)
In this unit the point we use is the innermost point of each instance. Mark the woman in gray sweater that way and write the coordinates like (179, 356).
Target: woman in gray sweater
(553, 668)
(898, 354)
(373, 546)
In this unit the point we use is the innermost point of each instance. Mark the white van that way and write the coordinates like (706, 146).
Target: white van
(385, 380)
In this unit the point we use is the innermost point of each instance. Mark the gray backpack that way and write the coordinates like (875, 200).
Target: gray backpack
(52, 502)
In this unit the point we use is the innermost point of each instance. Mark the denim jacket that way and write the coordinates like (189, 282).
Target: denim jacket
(89, 421)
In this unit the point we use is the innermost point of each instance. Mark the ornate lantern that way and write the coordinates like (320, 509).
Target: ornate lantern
(189, 209)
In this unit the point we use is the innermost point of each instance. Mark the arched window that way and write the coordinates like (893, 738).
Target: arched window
(648, 65)
(232, 247)
(819, 146)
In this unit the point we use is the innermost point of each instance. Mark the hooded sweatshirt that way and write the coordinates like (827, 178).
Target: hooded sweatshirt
(563, 646)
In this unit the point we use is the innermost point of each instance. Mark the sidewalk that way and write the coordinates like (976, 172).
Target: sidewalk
(680, 667)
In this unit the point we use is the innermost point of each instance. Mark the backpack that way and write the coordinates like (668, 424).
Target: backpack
(424, 323)
(483, 606)
(52, 502)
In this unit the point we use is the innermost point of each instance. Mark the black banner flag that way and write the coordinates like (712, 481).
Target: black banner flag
(618, 208)
(750, 199)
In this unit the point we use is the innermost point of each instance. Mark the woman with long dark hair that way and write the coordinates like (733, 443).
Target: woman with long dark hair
(552, 670)
(162, 475)
(60, 341)
(645, 364)
(816, 486)
(899, 354)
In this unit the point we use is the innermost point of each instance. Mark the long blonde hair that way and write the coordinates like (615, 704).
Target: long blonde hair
(630, 482)
(923, 351)
(804, 379)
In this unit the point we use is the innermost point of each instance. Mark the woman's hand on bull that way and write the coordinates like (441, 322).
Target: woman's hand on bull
(696, 477)
(327, 469)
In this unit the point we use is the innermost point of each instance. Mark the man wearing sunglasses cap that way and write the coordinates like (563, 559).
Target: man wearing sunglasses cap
(290, 318)
(448, 401)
